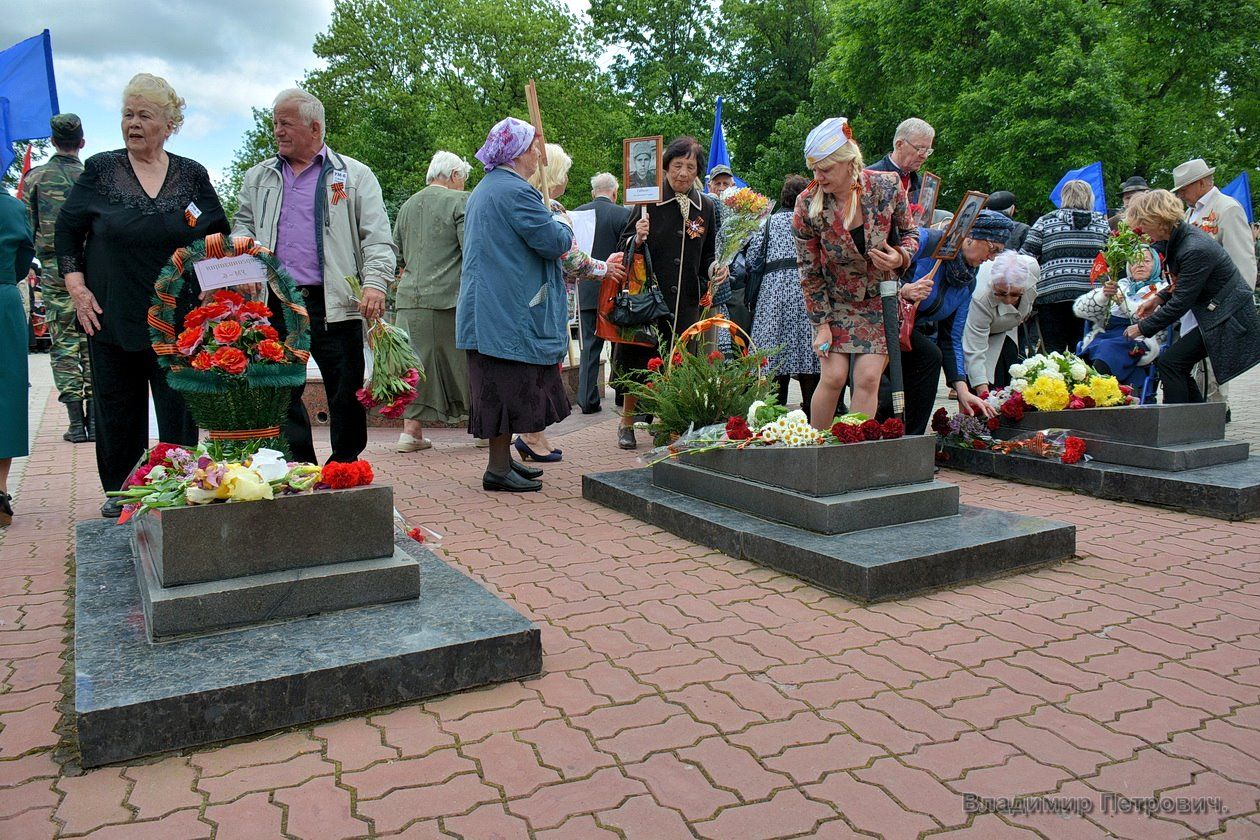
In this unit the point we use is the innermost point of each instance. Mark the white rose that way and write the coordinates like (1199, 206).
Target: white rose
(1018, 371)
(1079, 372)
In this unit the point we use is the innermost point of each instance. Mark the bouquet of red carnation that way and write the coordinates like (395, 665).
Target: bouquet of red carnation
(737, 429)
(1013, 408)
(340, 476)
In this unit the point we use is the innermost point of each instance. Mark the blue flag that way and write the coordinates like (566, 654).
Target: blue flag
(1092, 175)
(717, 147)
(1239, 189)
(28, 94)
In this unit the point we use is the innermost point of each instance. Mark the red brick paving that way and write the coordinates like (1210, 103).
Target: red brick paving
(687, 694)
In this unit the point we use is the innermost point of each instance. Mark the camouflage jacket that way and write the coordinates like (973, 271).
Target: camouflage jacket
(45, 190)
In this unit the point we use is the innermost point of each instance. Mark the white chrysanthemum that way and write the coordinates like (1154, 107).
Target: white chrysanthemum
(1019, 385)
(1053, 373)
(1018, 371)
(1079, 372)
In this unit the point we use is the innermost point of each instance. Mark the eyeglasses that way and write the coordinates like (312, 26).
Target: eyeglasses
(927, 153)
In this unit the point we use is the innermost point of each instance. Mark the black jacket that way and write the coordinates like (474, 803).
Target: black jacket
(1209, 285)
(885, 164)
(610, 219)
(680, 252)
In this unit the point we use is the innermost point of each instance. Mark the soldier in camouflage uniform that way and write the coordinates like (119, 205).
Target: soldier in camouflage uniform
(45, 190)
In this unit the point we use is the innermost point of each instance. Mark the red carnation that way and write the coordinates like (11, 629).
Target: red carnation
(226, 332)
(871, 430)
(416, 534)
(1013, 408)
(993, 423)
(160, 453)
(226, 296)
(1075, 403)
(1126, 390)
(230, 360)
(715, 355)
(655, 363)
(979, 444)
(940, 422)
(1073, 450)
(737, 429)
(189, 340)
(271, 351)
(847, 433)
(203, 361)
(893, 428)
(1089, 402)
(676, 359)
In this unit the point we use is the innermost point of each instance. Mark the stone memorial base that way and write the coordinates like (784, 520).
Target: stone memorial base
(134, 697)
(866, 520)
(1173, 456)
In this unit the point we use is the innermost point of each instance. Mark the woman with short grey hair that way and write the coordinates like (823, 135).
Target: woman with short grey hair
(429, 233)
(1065, 243)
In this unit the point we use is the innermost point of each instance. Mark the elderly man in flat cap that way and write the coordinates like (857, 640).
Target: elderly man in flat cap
(1131, 187)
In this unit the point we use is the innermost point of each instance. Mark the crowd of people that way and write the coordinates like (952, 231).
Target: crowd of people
(481, 281)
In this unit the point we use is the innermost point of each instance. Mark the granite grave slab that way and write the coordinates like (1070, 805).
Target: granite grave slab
(1148, 425)
(874, 564)
(133, 697)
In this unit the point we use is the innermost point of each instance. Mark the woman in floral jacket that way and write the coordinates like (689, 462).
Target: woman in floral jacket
(853, 228)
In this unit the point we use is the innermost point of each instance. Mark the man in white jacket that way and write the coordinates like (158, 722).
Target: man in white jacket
(322, 215)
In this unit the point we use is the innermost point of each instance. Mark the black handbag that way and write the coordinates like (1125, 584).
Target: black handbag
(646, 307)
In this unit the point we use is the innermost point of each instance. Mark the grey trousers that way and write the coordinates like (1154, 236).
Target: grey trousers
(588, 392)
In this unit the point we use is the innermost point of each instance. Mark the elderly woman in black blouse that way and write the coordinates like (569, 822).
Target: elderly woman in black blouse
(131, 209)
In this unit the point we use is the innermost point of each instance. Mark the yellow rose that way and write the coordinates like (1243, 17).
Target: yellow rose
(1047, 394)
(1106, 391)
(245, 485)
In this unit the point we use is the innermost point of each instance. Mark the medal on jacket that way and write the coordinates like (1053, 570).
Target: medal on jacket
(191, 214)
(339, 186)
(695, 227)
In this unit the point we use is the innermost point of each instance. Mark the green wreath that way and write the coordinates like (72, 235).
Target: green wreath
(248, 406)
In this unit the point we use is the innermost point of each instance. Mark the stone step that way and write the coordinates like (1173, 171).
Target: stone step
(870, 565)
(825, 470)
(202, 543)
(834, 514)
(212, 606)
(1173, 458)
(1147, 425)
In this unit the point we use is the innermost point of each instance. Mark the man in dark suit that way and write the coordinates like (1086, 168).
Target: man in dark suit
(610, 219)
(912, 146)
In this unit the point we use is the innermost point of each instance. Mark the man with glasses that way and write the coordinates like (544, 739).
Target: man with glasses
(912, 146)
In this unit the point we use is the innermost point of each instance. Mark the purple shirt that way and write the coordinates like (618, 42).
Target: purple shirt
(297, 246)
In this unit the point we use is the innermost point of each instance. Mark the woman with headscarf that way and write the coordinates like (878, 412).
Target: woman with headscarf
(1105, 347)
(942, 294)
(512, 316)
(679, 233)
(853, 229)
(1006, 289)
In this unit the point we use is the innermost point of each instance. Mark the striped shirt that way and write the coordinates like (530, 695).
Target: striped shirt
(1066, 242)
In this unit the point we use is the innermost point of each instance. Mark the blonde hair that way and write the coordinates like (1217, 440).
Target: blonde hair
(556, 169)
(852, 155)
(1154, 207)
(158, 91)
(1077, 195)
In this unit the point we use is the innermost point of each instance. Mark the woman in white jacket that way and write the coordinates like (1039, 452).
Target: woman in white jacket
(1006, 288)
(1109, 309)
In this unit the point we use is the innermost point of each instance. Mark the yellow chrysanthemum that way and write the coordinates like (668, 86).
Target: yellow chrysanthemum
(1106, 391)
(1046, 394)
(1081, 390)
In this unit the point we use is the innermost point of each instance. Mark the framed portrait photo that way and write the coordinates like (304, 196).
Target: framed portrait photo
(929, 191)
(968, 211)
(641, 159)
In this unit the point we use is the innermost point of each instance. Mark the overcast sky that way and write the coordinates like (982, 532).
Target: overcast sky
(220, 69)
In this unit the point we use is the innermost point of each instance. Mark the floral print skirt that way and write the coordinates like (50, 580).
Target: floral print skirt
(859, 327)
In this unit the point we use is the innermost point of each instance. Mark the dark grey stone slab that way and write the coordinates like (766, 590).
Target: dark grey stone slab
(1225, 491)
(1148, 425)
(1174, 457)
(216, 542)
(870, 565)
(134, 697)
(293, 593)
(826, 470)
(824, 514)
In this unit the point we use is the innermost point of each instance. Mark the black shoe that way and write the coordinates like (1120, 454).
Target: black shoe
(77, 433)
(510, 483)
(112, 509)
(1228, 415)
(592, 409)
(524, 471)
(6, 509)
(625, 438)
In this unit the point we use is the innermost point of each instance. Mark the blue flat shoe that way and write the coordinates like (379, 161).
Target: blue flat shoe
(528, 454)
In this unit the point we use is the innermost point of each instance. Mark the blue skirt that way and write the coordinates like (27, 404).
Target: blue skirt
(1116, 352)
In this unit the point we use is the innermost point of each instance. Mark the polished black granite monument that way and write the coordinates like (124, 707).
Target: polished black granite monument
(866, 520)
(386, 640)
(1173, 456)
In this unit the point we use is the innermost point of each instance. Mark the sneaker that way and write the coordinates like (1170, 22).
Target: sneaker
(407, 443)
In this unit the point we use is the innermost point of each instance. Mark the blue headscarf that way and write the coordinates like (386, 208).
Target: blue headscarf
(1155, 278)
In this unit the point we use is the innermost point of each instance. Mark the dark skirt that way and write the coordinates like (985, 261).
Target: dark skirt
(510, 396)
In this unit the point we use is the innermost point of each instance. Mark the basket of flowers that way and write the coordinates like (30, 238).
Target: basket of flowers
(225, 357)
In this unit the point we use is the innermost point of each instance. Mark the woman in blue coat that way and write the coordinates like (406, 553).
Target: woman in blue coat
(943, 294)
(512, 314)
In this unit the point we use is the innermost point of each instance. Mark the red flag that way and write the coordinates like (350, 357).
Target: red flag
(26, 167)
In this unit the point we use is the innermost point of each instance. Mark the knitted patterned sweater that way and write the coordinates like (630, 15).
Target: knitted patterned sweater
(1065, 242)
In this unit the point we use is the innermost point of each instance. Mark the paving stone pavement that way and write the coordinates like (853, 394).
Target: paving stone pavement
(687, 694)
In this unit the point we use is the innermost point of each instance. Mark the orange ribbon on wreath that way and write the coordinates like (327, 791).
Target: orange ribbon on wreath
(739, 338)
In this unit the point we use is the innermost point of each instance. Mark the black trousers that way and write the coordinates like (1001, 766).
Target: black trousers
(122, 381)
(1060, 328)
(921, 370)
(338, 350)
(588, 393)
(809, 382)
(1175, 365)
